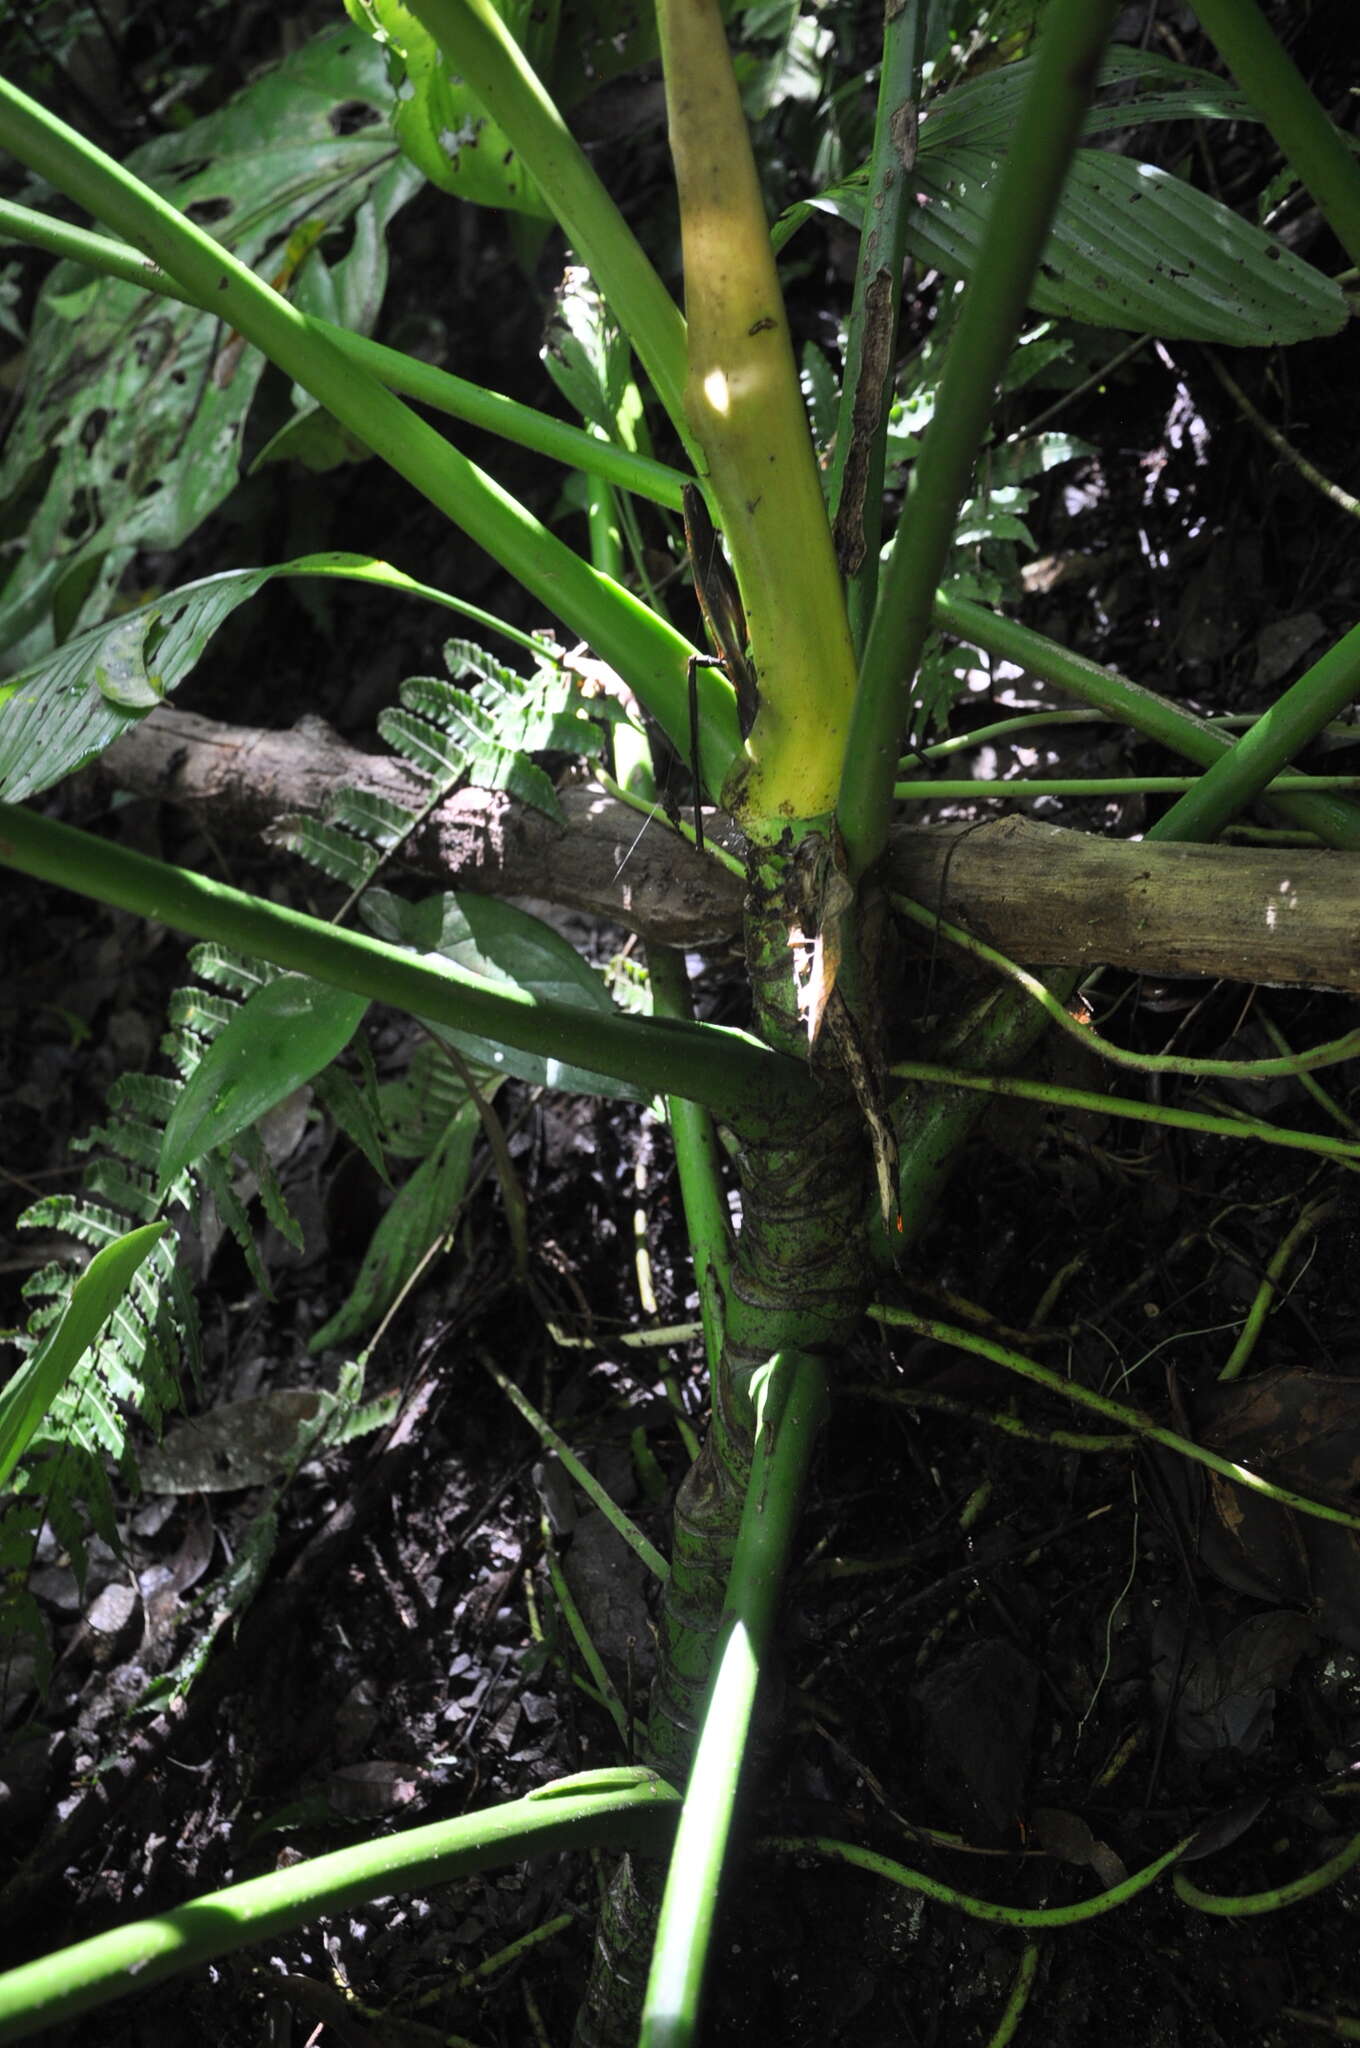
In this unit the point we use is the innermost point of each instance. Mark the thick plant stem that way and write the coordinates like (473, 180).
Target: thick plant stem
(698, 1164)
(790, 1405)
(598, 1807)
(934, 1124)
(1240, 775)
(746, 413)
(799, 1284)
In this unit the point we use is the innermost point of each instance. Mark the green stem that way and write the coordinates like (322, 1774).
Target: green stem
(730, 1071)
(1325, 1102)
(625, 1526)
(1304, 1226)
(956, 1339)
(1124, 1106)
(790, 1408)
(965, 789)
(599, 1808)
(490, 411)
(1273, 83)
(1245, 771)
(647, 652)
(1289, 1065)
(476, 40)
(963, 1902)
(1004, 2032)
(1275, 1900)
(1311, 474)
(602, 1686)
(698, 1164)
(1037, 721)
(746, 411)
(990, 1418)
(932, 1128)
(855, 492)
(1072, 42)
(1335, 820)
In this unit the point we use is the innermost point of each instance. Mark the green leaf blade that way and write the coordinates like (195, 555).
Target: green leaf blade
(1134, 248)
(501, 943)
(285, 1033)
(94, 1298)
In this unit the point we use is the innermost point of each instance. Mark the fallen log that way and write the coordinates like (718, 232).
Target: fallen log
(1040, 893)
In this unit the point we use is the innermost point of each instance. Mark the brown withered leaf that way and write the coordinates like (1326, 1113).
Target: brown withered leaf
(369, 1790)
(973, 1716)
(1067, 1836)
(1221, 1830)
(1226, 1685)
(1300, 1429)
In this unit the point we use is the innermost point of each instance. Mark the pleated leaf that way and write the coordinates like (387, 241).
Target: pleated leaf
(1134, 248)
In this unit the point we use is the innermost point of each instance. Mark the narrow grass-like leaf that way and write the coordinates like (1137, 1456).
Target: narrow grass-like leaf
(93, 1299)
(422, 1210)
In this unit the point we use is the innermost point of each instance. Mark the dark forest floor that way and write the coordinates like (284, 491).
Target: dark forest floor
(1066, 1660)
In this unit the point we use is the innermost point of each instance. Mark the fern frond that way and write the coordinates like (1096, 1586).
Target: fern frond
(336, 853)
(216, 1177)
(354, 1110)
(431, 731)
(447, 736)
(135, 1370)
(199, 1010)
(135, 1194)
(251, 1147)
(223, 968)
(418, 1109)
(374, 818)
(73, 1217)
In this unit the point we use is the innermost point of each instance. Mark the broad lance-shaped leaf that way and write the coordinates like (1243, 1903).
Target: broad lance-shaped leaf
(1131, 247)
(286, 1032)
(93, 1299)
(485, 936)
(1151, 88)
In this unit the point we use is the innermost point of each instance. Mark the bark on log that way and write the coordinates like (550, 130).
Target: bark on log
(1041, 894)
